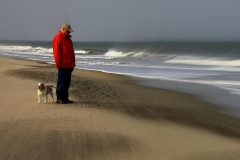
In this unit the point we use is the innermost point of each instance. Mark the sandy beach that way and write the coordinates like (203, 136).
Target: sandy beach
(111, 118)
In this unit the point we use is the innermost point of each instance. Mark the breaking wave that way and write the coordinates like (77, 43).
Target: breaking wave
(115, 53)
(82, 51)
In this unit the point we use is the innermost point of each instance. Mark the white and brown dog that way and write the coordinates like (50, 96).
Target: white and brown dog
(43, 91)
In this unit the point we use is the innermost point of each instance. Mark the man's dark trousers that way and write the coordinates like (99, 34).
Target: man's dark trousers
(63, 83)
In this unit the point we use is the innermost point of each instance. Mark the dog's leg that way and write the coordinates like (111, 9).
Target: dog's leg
(39, 98)
(45, 101)
(45, 98)
(51, 93)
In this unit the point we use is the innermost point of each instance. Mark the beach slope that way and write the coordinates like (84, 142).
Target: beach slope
(111, 118)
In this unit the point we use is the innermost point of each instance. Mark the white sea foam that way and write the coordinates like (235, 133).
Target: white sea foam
(187, 60)
(26, 50)
(115, 53)
(82, 52)
(34, 50)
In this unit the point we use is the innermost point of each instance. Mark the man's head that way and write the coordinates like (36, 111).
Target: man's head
(66, 29)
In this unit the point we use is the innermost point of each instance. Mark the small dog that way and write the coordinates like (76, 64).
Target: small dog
(43, 91)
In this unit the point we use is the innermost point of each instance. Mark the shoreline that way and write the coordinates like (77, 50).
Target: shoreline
(214, 95)
(150, 122)
(227, 101)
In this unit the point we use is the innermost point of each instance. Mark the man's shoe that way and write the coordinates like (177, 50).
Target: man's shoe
(69, 101)
(60, 102)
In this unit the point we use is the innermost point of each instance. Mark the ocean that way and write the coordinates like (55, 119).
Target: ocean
(209, 70)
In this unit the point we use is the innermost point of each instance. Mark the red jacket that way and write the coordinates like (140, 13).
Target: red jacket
(63, 51)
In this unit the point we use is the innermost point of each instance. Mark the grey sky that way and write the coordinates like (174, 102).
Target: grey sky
(121, 20)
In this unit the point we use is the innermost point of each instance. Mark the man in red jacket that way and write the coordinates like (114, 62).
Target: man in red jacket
(64, 57)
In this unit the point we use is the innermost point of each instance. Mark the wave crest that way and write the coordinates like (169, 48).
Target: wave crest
(82, 51)
(114, 53)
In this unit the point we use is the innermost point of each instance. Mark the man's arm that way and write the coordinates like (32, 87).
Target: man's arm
(57, 52)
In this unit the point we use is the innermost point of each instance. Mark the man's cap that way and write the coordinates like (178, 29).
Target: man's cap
(68, 27)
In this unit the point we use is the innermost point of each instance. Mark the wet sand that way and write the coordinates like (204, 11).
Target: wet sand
(111, 118)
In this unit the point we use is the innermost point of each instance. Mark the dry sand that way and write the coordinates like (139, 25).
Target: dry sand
(111, 118)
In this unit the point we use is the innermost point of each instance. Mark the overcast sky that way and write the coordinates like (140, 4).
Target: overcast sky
(122, 20)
